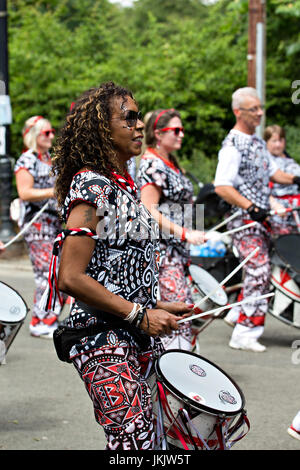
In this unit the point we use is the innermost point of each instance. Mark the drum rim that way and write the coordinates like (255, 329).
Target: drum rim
(204, 293)
(280, 255)
(199, 406)
(25, 304)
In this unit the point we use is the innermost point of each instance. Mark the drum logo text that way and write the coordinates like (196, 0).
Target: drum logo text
(197, 370)
(225, 397)
(14, 309)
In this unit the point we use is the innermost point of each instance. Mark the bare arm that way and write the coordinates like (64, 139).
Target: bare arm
(26, 190)
(73, 280)
(282, 177)
(232, 196)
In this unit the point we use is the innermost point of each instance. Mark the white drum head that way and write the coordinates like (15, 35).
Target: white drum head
(13, 309)
(206, 283)
(199, 382)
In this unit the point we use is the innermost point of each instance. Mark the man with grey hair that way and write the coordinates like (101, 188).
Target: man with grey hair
(242, 179)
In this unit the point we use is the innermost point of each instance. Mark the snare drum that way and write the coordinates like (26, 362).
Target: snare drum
(13, 311)
(201, 284)
(285, 305)
(196, 404)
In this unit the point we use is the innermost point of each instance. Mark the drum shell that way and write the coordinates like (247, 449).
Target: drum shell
(204, 286)
(205, 423)
(285, 305)
(286, 254)
(220, 267)
(12, 316)
(198, 295)
(7, 335)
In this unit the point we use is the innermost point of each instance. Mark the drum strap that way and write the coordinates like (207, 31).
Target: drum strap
(172, 418)
(176, 426)
(242, 420)
(51, 294)
(194, 428)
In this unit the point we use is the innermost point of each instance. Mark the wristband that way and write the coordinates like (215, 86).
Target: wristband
(296, 180)
(183, 237)
(133, 314)
(140, 316)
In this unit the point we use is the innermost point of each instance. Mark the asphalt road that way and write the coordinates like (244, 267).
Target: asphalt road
(44, 405)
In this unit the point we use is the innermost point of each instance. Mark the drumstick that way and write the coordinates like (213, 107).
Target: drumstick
(225, 307)
(233, 216)
(27, 225)
(228, 277)
(219, 235)
(243, 227)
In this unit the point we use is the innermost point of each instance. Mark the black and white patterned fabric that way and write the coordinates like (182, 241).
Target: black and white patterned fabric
(176, 200)
(47, 225)
(288, 165)
(125, 259)
(287, 195)
(254, 169)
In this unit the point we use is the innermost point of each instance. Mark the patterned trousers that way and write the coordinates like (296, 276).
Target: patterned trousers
(115, 380)
(257, 273)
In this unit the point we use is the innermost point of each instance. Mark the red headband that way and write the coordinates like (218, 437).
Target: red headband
(32, 125)
(159, 116)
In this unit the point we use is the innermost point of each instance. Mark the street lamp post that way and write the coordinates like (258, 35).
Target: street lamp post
(257, 51)
(6, 228)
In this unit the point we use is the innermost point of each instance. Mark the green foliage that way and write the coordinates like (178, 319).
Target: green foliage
(176, 53)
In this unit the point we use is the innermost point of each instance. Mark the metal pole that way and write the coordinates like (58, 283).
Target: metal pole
(6, 228)
(251, 57)
(257, 51)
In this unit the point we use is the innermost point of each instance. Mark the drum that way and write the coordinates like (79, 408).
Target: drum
(196, 404)
(285, 305)
(13, 311)
(201, 284)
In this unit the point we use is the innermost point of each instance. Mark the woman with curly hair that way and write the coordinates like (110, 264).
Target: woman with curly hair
(168, 194)
(35, 186)
(109, 264)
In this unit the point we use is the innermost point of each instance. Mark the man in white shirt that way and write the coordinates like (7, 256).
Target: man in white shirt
(242, 179)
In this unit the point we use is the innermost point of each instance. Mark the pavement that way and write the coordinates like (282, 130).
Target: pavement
(44, 405)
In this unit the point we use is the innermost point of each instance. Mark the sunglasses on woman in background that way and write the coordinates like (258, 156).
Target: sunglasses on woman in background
(47, 133)
(176, 130)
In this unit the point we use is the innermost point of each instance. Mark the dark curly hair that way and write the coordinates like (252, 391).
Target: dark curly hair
(85, 138)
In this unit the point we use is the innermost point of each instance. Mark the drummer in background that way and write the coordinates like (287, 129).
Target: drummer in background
(282, 195)
(35, 187)
(242, 179)
(163, 185)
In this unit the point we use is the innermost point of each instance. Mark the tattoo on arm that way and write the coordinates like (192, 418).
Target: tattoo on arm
(88, 215)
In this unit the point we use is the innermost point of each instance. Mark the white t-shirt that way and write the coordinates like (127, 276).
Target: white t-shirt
(229, 159)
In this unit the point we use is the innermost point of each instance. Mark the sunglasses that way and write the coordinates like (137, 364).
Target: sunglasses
(176, 130)
(132, 117)
(255, 109)
(47, 133)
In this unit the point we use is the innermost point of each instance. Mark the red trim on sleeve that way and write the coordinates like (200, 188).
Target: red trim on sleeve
(22, 168)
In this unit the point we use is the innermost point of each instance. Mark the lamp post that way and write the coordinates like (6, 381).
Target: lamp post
(257, 51)
(6, 228)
